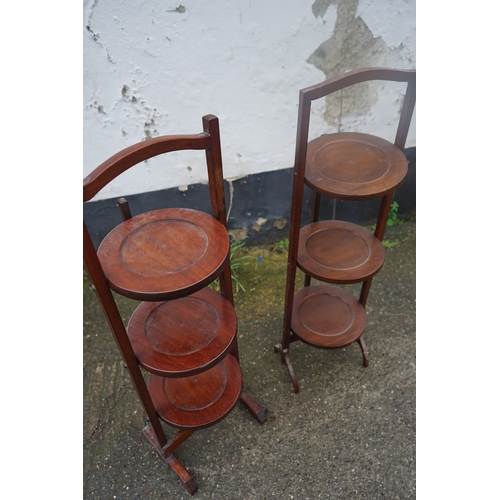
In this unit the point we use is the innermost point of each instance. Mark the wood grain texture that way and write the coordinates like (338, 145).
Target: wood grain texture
(339, 252)
(183, 337)
(185, 477)
(137, 153)
(327, 317)
(356, 76)
(164, 254)
(198, 401)
(354, 166)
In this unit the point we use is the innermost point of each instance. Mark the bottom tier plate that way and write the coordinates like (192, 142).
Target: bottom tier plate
(198, 401)
(327, 316)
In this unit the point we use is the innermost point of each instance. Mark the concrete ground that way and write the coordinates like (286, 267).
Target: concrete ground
(349, 433)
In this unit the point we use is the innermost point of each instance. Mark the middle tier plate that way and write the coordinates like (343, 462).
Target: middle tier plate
(183, 337)
(339, 252)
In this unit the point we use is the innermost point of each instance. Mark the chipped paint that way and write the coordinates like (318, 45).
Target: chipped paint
(355, 44)
(280, 223)
(257, 226)
(239, 234)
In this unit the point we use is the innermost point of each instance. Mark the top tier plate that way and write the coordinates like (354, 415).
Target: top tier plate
(164, 254)
(354, 166)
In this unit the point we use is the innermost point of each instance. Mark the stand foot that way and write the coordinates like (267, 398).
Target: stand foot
(253, 407)
(285, 359)
(361, 342)
(186, 478)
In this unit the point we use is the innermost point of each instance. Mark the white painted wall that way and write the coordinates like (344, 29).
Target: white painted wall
(154, 68)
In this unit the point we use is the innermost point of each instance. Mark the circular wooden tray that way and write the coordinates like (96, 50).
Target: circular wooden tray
(164, 254)
(184, 336)
(339, 252)
(198, 401)
(327, 317)
(354, 166)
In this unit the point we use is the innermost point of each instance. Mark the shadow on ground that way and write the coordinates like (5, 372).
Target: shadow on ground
(349, 433)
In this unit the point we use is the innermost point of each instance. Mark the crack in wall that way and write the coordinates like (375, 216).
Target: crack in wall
(352, 46)
(95, 35)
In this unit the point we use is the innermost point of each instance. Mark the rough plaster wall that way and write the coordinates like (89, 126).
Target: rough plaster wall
(155, 67)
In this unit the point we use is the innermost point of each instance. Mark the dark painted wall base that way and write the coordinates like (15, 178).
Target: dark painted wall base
(258, 205)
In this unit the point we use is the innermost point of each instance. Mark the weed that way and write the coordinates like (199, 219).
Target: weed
(393, 218)
(390, 243)
(280, 246)
(237, 262)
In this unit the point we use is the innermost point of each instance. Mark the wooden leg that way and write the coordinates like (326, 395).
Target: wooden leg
(186, 478)
(277, 347)
(361, 342)
(365, 290)
(315, 207)
(285, 359)
(292, 338)
(124, 209)
(253, 407)
(314, 218)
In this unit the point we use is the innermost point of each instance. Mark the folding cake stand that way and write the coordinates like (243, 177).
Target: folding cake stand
(346, 166)
(183, 333)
